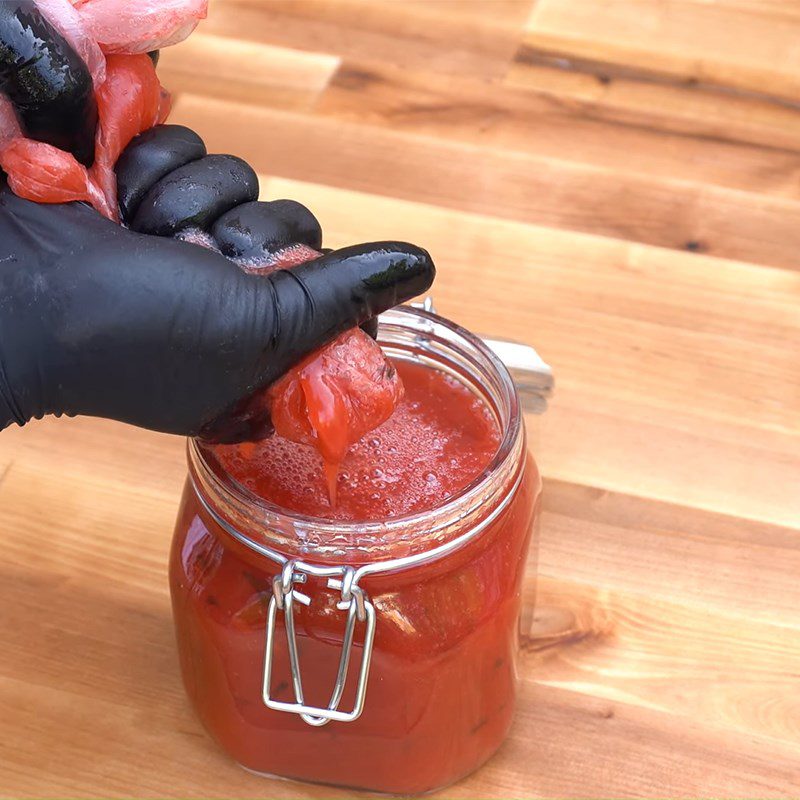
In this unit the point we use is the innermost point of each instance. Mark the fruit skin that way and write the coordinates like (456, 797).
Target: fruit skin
(45, 174)
(140, 26)
(336, 395)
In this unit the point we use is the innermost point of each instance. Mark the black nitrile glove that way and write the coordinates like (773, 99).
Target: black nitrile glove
(100, 320)
(103, 321)
(46, 81)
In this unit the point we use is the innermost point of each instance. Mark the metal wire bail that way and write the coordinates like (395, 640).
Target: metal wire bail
(358, 607)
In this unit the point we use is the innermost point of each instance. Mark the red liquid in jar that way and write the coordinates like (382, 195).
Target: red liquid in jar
(438, 440)
(442, 683)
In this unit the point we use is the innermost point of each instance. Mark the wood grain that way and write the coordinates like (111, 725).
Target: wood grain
(474, 37)
(530, 188)
(693, 39)
(548, 124)
(636, 97)
(243, 70)
(615, 183)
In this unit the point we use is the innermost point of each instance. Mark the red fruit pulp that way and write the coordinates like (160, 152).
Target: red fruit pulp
(440, 437)
(43, 173)
(335, 397)
(332, 398)
(129, 102)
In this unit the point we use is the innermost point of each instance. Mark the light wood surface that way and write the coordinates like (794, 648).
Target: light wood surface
(614, 182)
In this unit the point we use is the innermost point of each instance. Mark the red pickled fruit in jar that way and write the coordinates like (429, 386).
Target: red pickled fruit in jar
(335, 397)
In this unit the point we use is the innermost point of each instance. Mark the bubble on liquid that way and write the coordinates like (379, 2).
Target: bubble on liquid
(421, 456)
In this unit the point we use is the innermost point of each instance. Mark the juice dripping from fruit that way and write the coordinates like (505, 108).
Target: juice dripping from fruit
(440, 438)
(335, 397)
(326, 412)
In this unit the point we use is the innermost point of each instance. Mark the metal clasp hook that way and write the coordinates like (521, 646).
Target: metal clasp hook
(358, 607)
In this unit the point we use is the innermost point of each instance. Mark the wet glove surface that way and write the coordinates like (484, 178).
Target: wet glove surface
(99, 320)
(48, 84)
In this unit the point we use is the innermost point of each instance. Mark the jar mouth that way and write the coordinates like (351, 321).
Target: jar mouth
(421, 337)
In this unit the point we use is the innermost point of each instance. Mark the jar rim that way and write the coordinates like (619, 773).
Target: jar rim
(457, 507)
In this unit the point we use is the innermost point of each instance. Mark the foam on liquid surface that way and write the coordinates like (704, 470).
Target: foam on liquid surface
(438, 440)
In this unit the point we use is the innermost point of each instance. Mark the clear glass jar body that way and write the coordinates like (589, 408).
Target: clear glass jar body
(441, 688)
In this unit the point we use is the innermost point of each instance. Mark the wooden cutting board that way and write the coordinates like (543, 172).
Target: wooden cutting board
(615, 183)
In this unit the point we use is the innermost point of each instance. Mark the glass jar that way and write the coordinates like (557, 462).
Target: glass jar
(370, 655)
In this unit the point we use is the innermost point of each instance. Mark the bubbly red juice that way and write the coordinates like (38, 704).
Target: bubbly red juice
(439, 439)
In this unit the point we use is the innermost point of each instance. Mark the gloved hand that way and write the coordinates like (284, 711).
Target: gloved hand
(103, 321)
(99, 320)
